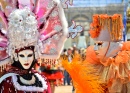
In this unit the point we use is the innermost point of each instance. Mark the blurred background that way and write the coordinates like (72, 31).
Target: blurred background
(82, 11)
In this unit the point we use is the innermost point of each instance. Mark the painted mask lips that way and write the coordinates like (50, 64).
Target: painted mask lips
(26, 64)
(96, 52)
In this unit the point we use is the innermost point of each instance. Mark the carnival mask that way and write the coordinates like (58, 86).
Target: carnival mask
(26, 58)
(107, 49)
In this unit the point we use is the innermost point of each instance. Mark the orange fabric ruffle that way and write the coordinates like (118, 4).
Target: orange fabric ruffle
(122, 57)
(126, 46)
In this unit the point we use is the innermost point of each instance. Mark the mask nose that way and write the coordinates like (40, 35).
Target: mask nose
(96, 47)
(26, 59)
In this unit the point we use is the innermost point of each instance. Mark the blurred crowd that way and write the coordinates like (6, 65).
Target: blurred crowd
(69, 54)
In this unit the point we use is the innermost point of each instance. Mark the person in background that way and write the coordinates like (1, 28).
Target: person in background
(69, 56)
(75, 54)
(74, 48)
(83, 54)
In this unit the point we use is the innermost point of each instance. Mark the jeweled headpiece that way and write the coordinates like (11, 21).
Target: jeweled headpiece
(40, 23)
(23, 30)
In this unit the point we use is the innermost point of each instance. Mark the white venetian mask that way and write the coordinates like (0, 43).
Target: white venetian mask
(26, 58)
(108, 49)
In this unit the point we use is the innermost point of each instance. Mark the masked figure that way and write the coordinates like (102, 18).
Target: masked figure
(30, 30)
(110, 54)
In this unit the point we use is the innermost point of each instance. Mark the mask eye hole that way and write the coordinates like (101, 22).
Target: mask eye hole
(21, 55)
(30, 55)
(99, 44)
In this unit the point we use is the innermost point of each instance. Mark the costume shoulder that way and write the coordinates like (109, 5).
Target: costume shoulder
(6, 86)
(126, 46)
(40, 75)
(44, 81)
(123, 56)
(48, 90)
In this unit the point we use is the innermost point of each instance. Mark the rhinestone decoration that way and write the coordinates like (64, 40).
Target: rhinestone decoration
(8, 7)
(52, 51)
(54, 14)
(55, 37)
(51, 4)
(58, 28)
(42, 20)
(22, 29)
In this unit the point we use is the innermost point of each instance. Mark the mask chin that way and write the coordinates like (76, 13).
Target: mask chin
(18, 65)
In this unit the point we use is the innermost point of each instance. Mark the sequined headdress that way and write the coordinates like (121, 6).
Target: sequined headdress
(38, 23)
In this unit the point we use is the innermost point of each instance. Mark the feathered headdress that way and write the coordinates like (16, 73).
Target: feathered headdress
(106, 28)
(38, 23)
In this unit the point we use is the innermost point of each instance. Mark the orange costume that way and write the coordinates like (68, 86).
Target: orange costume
(110, 55)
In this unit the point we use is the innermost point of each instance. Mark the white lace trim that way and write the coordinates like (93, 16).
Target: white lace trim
(30, 88)
(6, 76)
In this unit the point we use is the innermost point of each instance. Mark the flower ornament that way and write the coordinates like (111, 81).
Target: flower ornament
(106, 25)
